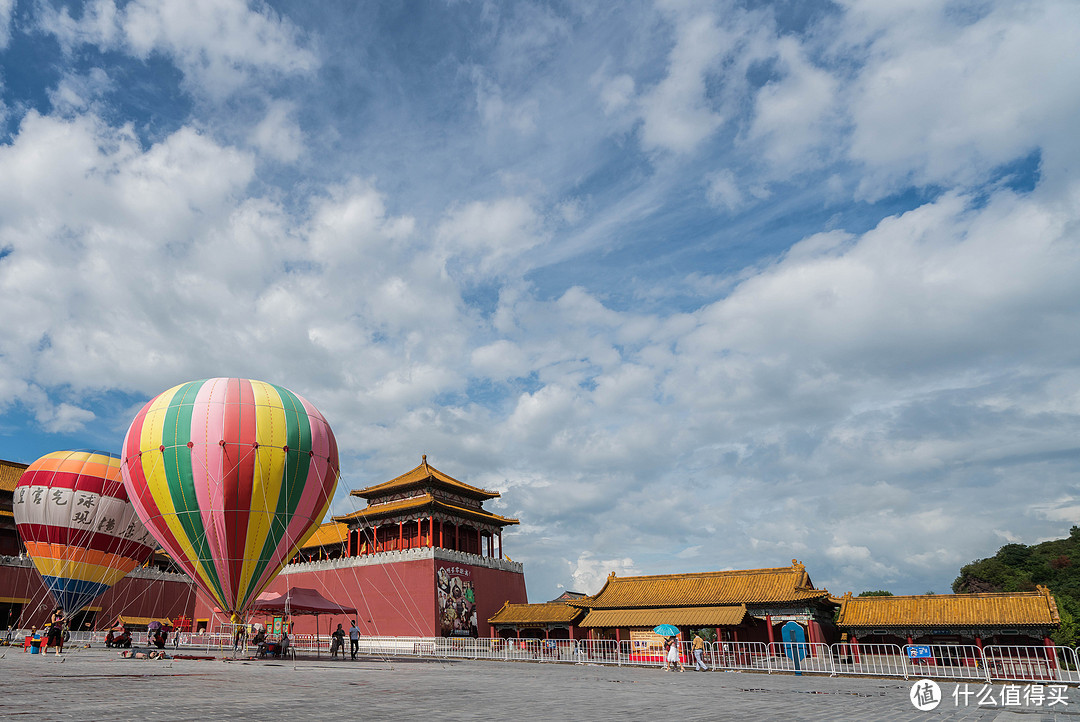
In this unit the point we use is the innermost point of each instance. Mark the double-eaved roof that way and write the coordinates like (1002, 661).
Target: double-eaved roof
(424, 476)
(707, 599)
(420, 492)
(998, 609)
(776, 585)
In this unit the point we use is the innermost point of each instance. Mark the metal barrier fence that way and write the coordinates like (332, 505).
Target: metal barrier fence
(1031, 664)
(946, 661)
(1036, 664)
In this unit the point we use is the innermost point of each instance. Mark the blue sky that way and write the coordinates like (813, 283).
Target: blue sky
(695, 285)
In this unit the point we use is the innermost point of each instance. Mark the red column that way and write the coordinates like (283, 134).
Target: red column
(768, 621)
(854, 649)
(1051, 652)
(400, 535)
(441, 545)
(909, 640)
(571, 628)
(978, 642)
(617, 637)
(457, 537)
(431, 530)
(500, 544)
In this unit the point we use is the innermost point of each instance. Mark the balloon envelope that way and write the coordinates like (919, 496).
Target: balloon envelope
(231, 476)
(73, 515)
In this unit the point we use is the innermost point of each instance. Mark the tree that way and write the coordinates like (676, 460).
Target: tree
(876, 593)
(1069, 632)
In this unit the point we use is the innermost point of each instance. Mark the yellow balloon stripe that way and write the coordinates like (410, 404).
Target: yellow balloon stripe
(83, 571)
(271, 434)
(157, 484)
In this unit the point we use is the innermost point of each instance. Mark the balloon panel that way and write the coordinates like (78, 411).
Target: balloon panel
(231, 476)
(73, 514)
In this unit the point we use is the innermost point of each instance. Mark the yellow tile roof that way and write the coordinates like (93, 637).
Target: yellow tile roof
(420, 474)
(10, 471)
(748, 586)
(1006, 609)
(143, 621)
(420, 502)
(328, 534)
(720, 616)
(546, 613)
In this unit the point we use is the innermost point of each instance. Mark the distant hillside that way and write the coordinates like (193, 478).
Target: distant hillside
(1018, 568)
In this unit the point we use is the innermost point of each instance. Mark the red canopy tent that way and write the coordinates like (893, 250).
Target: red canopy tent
(299, 600)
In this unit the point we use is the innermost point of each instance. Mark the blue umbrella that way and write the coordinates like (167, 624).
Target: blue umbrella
(666, 630)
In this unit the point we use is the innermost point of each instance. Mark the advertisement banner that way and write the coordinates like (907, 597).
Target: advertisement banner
(456, 599)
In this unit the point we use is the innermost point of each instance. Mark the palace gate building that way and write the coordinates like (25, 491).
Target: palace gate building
(1021, 618)
(742, 606)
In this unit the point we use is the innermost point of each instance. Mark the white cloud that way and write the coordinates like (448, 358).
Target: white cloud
(219, 45)
(942, 100)
(7, 9)
(589, 573)
(278, 135)
(794, 116)
(486, 236)
(723, 191)
(676, 114)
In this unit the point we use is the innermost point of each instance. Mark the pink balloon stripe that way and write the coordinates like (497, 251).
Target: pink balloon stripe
(207, 465)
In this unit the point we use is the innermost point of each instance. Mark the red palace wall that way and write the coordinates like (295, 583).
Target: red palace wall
(397, 598)
(160, 596)
(392, 599)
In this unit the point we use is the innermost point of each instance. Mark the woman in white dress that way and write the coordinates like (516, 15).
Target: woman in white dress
(673, 657)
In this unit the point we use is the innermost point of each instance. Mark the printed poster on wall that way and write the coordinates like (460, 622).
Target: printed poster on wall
(456, 599)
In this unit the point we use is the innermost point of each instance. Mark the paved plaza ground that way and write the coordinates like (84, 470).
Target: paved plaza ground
(96, 684)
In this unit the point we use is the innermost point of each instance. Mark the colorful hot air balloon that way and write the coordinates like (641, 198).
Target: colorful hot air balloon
(231, 476)
(73, 514)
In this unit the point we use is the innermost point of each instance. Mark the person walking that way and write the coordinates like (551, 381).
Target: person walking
(354, 639)
(699, 652)
(338, 642)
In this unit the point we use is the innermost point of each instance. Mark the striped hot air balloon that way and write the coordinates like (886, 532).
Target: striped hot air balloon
(231, 476)
(83, 535)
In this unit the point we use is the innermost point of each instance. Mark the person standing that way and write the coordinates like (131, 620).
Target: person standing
(55, 636)
(699, 651)
(354, 639)
(338, 643)
(240, 638)
(673, 657)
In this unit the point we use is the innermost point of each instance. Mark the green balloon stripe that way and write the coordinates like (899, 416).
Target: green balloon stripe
(294, 478)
